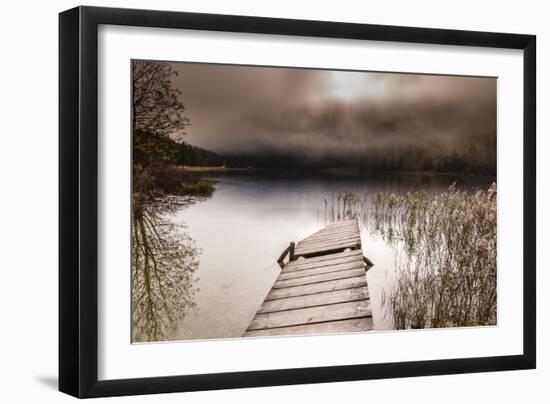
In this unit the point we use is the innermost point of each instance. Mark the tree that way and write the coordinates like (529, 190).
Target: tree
(164, 258)
(156, 105)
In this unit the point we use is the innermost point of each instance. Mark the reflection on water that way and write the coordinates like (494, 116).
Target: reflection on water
(164, 260)
(250, 220)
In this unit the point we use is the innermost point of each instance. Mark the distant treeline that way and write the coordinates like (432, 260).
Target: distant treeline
(153, 148)
(478, 159)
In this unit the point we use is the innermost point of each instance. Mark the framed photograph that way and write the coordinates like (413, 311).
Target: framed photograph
(251, 201)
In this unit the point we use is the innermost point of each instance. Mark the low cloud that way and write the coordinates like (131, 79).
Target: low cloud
(299, 115)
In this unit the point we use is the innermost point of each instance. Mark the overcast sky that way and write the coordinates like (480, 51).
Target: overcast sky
(239, 109)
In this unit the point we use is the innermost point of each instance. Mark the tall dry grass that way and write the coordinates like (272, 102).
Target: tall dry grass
(447, 274)
(445, 245)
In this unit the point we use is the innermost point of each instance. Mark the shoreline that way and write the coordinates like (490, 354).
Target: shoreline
(205, 169)
(336, 171)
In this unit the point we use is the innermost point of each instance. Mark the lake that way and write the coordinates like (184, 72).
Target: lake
(251, 218)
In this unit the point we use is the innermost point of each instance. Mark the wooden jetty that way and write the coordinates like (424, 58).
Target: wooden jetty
(321, 289)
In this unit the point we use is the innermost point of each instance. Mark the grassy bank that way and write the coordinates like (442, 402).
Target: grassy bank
(156, 182)
(200, 187)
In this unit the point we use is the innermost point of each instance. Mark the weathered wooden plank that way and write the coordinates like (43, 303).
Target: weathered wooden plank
(328, 239)
(306, 280)
(330, 236)
(339, 311)
(346, 226)
(334, 232)
(325, 248)
(334, 243)
(337, 227)
(317, 299)
(349, 230)
(341, 223)
(321, 270)
(330, 327)
(338, 284)
(322, 264)
(355, 237)
(328, 259)
(350, 240)
(324, 237)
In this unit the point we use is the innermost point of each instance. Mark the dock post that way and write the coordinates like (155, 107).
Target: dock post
(292, 246)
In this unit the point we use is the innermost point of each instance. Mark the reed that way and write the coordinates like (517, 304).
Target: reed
(445, 245)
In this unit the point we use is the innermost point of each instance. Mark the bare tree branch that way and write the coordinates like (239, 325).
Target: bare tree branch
(156, 105)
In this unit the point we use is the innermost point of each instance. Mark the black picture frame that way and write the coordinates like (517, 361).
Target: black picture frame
(78, 201)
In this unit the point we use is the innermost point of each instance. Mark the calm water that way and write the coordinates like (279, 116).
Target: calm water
(250, 220)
